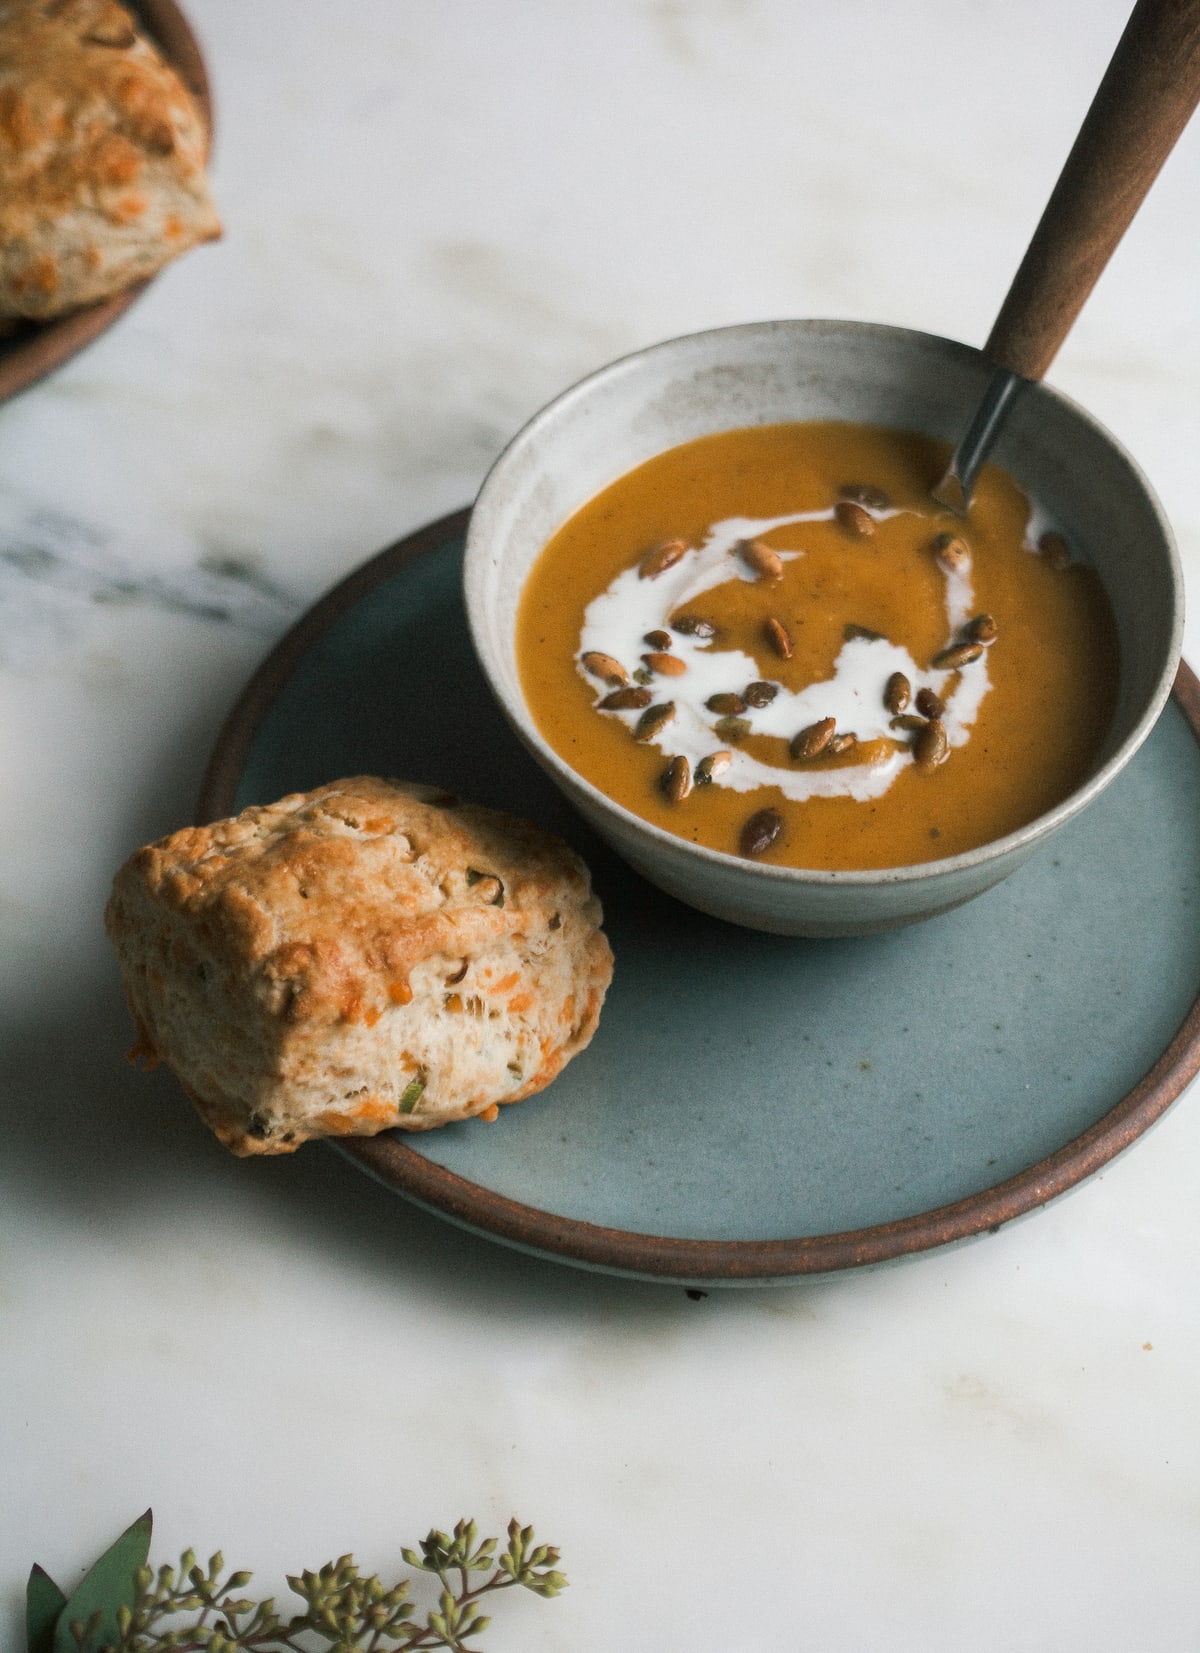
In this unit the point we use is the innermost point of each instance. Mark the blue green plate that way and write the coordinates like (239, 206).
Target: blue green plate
(756, 1108)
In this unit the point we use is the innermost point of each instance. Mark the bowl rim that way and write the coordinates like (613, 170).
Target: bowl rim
(1025, 838)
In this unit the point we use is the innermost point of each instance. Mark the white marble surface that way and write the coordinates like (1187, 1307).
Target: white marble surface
(438, 215)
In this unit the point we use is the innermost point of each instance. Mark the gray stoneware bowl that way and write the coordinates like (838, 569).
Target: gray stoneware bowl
(766, 373)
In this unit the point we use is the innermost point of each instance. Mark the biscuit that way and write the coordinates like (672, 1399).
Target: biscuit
(102, 152)
(367, 955)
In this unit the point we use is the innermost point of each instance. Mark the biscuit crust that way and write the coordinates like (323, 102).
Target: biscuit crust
(367, 955)
(102, 153)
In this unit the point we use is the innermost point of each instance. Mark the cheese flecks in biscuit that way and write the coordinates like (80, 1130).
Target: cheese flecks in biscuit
(367, 955)
(102, 152)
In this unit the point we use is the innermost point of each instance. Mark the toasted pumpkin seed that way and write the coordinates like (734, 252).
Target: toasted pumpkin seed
(604, 667)
(626, 700)
(779, 637)
(760, 559)
(931, 746)
(653, 720)
(853, 519)
(956, 657)
(666, 665)
(982, 629)
(930, 703)
(906, 721)
(864, 493)
(677, 780)
(812, 741)
(760, 693)
(840, 744)
(658, 639)
(951, 551)
(662, 557)
(1056, 551)
(727, 705)
(897, 692)
(732, 728)
(643, 676)
(691, 625)
(760, 832)
(711, 767)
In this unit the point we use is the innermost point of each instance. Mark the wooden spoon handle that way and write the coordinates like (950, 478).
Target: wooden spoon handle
(1144, 102)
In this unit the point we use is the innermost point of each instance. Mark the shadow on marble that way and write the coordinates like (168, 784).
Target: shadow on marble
(120, 1157)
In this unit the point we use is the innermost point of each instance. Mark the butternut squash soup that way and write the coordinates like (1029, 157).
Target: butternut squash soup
(773, 642)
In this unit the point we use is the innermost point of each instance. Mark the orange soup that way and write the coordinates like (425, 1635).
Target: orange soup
(773, 641)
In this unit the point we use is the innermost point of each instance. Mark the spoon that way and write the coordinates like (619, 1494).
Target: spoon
(1143, 103)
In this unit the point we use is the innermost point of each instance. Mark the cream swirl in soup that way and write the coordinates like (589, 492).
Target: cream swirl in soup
(772, 641)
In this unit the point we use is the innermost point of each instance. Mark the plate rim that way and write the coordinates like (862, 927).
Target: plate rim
(48, 345)
(670, 1257)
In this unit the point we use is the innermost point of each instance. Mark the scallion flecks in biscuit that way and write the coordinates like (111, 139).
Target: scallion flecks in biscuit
(362, 956)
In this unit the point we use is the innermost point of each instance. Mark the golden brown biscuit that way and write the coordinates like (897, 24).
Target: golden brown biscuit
(102, 152)
(366, 955)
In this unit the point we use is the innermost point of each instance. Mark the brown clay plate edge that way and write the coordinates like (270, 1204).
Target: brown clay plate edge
(665, 1257)
(48, 345)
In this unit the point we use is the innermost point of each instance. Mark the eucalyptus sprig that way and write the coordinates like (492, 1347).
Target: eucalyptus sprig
(125, 1606)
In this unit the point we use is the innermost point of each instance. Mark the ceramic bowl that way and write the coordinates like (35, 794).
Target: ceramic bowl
(771, 372)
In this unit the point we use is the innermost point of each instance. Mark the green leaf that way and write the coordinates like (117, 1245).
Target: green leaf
(108, 1586)
(122, 1600)
(44, 1601)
